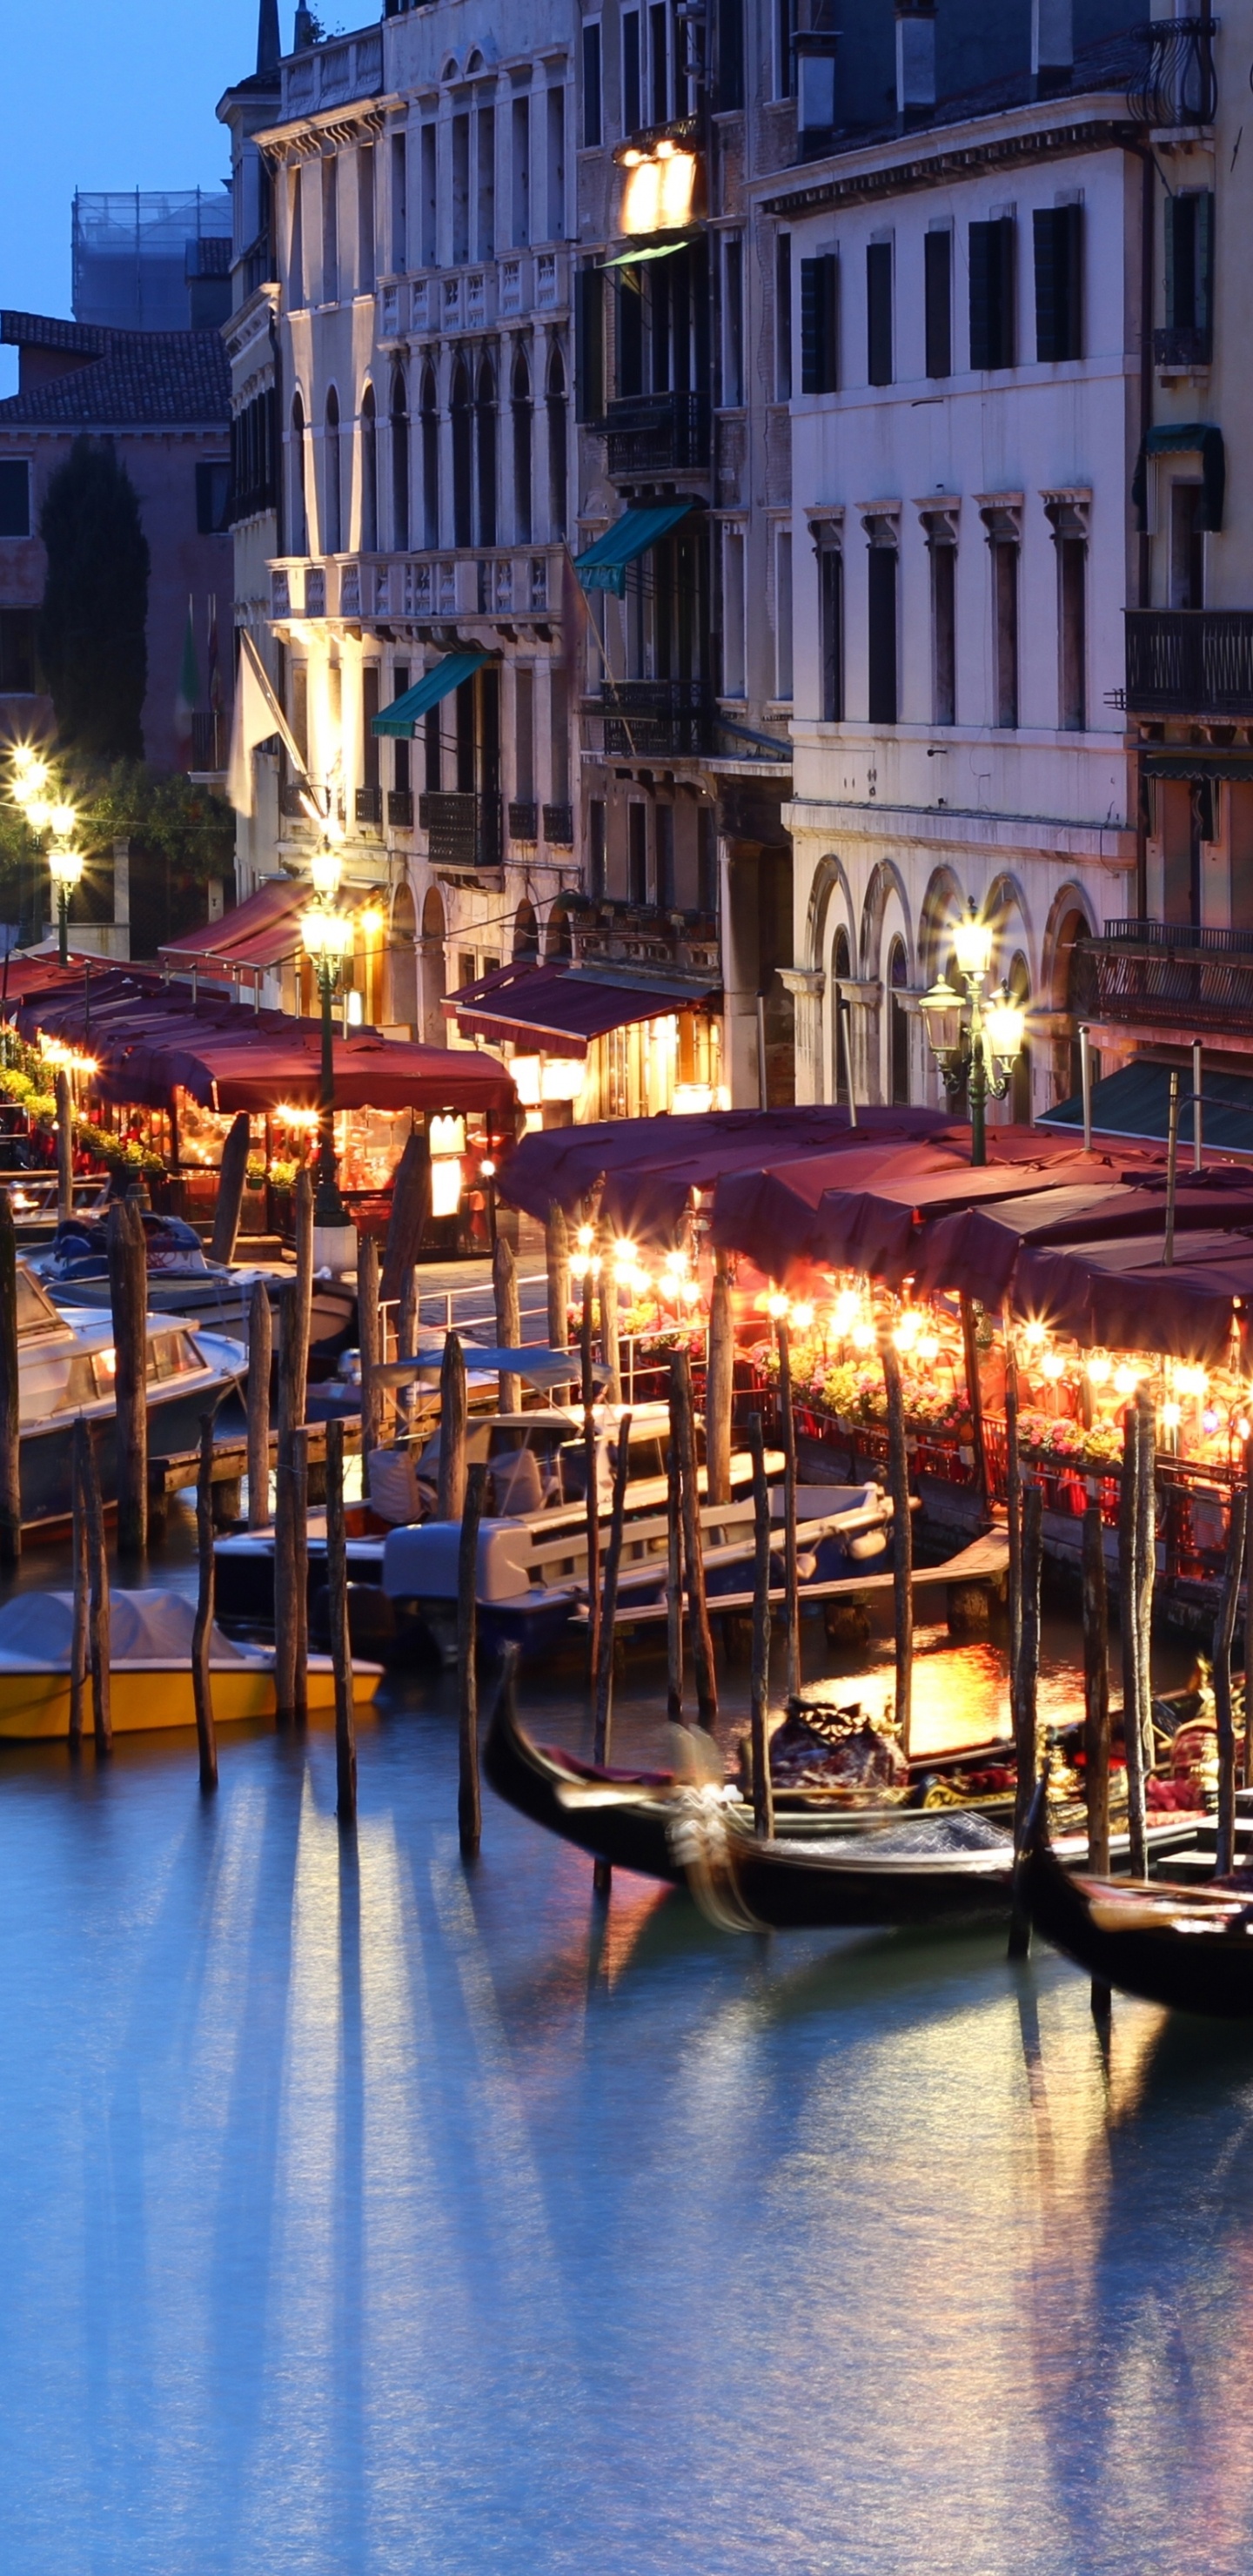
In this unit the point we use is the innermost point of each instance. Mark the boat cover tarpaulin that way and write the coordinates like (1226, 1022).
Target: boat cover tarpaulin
(557, 1009)
(1123, 1296)
(651, 1165)
(262, 931)
(149, 1041)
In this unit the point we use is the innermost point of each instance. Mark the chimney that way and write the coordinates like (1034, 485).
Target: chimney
(268, 46)
(915, 62)
(1052, 46)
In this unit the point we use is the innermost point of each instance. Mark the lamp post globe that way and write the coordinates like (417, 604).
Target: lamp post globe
(976, 1039)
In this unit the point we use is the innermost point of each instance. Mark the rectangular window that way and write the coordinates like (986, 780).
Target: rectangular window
(730, 70)
(330, 229)
(632, 113)
(296, 239)
(589, 344)
(521, 171)
(18, 669)
(596, 847)
(706, 860)
(369, 738)
(659, 61)
(637, 853)
(1187, 545)
(881, 635)
(365, 220)
(430, 229)
(733, 321)
(630, 336)
(663, 825)
(992, 252)
(213, 498)
(14, 497)
(944, 633)
(556, 165)
(783, 614)
(485, 144)
(783, 317)
(400, 749)
(400, 203)
(1058, 242)
(432, 752)
(785, 44)
(558, 735)
(831, 621)
(1189, 267)
(938, 292)
(467, 967)
(733, 673)
(879, 313)
(592, 122)
(1005, 630)
(460, 189)
(820, 325)
(1072, 595)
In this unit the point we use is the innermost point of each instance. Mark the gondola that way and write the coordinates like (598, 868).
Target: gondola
(876, 1866)
(1190, 1948)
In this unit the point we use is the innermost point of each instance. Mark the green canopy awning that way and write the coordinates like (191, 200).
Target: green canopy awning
(403, 714)
(1185, 438)
(604, 565)
(653, 250)
(1135, 1103)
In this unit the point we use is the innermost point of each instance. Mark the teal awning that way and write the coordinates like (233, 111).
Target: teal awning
(654, 250)
(604, 565)
(1134, 1103)
(403, 714)
(1185, 438)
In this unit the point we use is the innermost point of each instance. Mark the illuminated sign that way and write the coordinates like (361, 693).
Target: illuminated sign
(660, 187)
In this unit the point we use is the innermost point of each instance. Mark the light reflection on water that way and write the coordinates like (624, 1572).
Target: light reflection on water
(363, 2214)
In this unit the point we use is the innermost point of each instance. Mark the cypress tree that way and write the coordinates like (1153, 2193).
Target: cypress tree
(92, 638)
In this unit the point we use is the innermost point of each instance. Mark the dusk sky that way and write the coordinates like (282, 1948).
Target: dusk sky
(110, 98)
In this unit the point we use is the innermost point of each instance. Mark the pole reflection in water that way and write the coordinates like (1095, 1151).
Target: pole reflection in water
(363, 2214)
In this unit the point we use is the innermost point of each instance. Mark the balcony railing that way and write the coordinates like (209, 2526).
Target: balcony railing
(559, 826)
(368, 806)
(658, 719)
(523, 822)
(657, 434)
(463, 831)
(208, 744)
(1190, 661)
(1165, 975)
(400, 808)
(1177, 85)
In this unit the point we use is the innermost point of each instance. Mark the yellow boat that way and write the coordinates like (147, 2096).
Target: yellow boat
(149, 1664)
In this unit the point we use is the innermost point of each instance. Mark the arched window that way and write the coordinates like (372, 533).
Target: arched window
(898, 1026)
(400, 464)
(559, 936)
(430, 458)
(841, 972)
(525, 931)
(299, 505)
(556, 445)
(462, 460)
(334, 493)
(485, 451)
(369, 474)
(434, 973)
(521, 404)
(1020, 1079)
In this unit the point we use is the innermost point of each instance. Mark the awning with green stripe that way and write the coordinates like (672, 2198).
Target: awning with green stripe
(604, 565)
(403, 714)
(652, 250)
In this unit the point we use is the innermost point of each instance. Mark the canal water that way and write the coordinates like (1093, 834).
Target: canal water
(362, 2212)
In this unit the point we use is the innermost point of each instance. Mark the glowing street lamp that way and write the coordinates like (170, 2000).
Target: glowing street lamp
(65, 867)
(976, 1038)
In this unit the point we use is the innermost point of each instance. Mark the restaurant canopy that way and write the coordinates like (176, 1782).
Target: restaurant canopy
(261, 932)
(976, 1250)
(1123, 1295)
(557, 1009)
(149, 1042)
(651, 1166)
(860, 1212)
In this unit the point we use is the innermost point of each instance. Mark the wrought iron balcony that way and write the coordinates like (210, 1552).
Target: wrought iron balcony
(1183, 344)
(657, 434)
(1190, 661)
(463, 831)
(1165, 975)
(1177, 85)
(400, 808)
(658, 719)
(523, 822)
(559, 826)
(208, 744)
(368, 806)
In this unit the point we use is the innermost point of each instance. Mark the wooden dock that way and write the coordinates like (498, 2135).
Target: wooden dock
(169, 1475)
(983, 1565)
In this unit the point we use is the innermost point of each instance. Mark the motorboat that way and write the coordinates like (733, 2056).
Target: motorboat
(150, 1668)
(66, 1373)
(182, 1280)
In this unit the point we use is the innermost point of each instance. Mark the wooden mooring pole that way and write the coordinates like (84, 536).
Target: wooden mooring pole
(719, 1387)
(683, 1438)
(128, 1299)
(10, 1401)
(82, 1581)
(1013, 1504)
(791, 1577)
(763, 1791)
(674, 1580)
(290, 1574)
(1027, 1693)
(232, 1182)
(603, 1729)
(98, 1649)
(469, 1800)
(1129, 1615)
(902, 1544)
(65, 1147)
(1096, 1714)
(508, 1318)
(591, 1482)
(370, 1344)
(451, 1489)
(1224, 1633)
(202, 1630)
(260, 1352)
(557, 1261)
(341, 1642)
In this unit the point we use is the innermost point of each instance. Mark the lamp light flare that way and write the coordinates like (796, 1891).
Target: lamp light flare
(1053, 1366)
(1125, 1381)
(1099, 1368)
(972, 943)
(803, 1315)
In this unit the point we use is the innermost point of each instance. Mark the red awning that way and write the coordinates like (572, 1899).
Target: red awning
(1121, 1296)
(262, 931)
(652, 1165)
(557, 1009)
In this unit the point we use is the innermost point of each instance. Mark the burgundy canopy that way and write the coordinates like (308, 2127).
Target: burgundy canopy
(1122, 1296)
(977, 1250)
(651, 1165)
(149, 1041)
(773, 1215)
(261, 931)
(556, 1008)
(882, 1229)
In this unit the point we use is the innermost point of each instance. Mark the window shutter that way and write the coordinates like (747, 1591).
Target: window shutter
(1049, 286)
(1003, 300)
(589, 345)
(591, 84)
(980, 275)
(938, 282)
(1072, 224)
(818, 325)
(1205, 264)
(1169, 265)
(879, 313)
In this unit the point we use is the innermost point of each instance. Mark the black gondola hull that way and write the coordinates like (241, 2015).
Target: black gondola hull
(1204, 1967)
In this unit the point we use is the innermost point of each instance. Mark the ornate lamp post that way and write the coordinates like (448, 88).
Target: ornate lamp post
(327, 936)
(65, 867)
(975, 1037)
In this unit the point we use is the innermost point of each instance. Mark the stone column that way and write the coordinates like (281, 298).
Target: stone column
(814, 1078)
